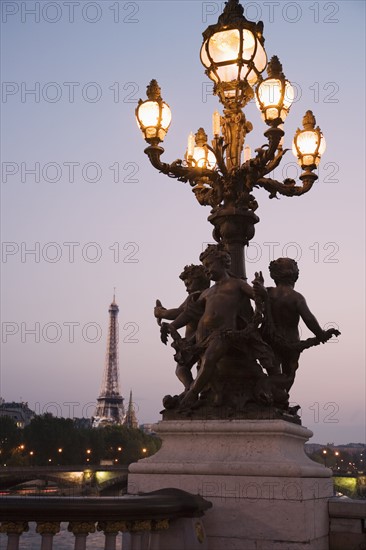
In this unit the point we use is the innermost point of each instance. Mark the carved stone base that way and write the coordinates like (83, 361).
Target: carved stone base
(265, 491)
(252, 411)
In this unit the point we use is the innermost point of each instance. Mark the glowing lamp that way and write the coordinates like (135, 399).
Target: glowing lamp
(309, 144)
(153, 115)
(233, 53)
(274, 96)
(198, 154)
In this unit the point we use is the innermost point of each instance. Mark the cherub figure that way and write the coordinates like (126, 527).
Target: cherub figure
(225, 322)
(284, 307)
(196, 281)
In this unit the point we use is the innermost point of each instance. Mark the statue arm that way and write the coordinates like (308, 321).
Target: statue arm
(182, 320)
(259, 290)
(247, 290)
(161, 312)
(193, 312)
(169, 314)
(310, 319)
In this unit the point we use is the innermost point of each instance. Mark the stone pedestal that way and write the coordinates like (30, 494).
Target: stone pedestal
(266, 493)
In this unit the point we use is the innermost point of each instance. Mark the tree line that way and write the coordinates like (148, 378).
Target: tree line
(53, 441)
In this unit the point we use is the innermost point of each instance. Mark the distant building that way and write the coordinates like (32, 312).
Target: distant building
(130, 419)
(311, 448)
(82, 423)
(19, 412)
(148, 428)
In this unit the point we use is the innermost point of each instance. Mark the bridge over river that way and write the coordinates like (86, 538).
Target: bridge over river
(82, 479)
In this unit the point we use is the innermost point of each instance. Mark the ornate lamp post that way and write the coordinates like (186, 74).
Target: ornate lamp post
(234, 58)
(246, 360)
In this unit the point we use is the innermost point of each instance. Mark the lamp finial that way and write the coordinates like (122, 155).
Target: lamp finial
(153, 91)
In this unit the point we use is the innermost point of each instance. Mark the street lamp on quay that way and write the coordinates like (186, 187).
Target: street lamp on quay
(59, 459)
(235, 59)
(31, 457)
(336, 454)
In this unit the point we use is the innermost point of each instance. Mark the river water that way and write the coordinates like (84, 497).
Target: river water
(62, 541)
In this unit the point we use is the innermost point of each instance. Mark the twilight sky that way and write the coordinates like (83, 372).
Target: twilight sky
(83, 211)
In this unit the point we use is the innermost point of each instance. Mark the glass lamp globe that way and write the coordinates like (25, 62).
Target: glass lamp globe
(153, 115)
(203, 158)
(198, 154)
(274, 96)
(233, 54)
(309, 144)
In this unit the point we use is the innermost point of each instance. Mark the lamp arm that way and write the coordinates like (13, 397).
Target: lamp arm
(266, 158)
(154, 153)
(270, 166)
(176, 168)
(288, 187)
(274, 136)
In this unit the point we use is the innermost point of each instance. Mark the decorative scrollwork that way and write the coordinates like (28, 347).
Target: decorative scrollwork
(229, 184)
(113, 527)
(14, 527)
(160, 525)
(288, 187)
(48, 528)
(81, 527)
(136, 526)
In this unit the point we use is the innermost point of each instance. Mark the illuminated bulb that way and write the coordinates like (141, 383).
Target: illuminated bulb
(191, 143)
(247, 153)
(216, 123)
(225, 45)
(199, 158)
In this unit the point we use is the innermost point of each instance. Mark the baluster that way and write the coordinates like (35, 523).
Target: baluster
(136, 542)
(139, 532)
(111, 529)
(47, 530)
(14, 530)
(81, 530)
(157, 527)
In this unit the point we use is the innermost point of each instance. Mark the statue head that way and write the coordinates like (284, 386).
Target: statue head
(284, 270)
(216, 251)
(195, 278)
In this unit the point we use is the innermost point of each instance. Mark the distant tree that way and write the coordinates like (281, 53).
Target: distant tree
(10, 438)
(45, 435)
(340, 463)
(125, 445)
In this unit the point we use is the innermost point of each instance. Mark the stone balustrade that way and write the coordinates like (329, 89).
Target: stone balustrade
(148, 520)
(347, 528)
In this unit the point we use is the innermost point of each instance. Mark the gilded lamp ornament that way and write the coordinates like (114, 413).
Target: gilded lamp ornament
(247, 358)
(234, 58)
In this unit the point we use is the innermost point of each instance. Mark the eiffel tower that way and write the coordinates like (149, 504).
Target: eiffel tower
(110, 409)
